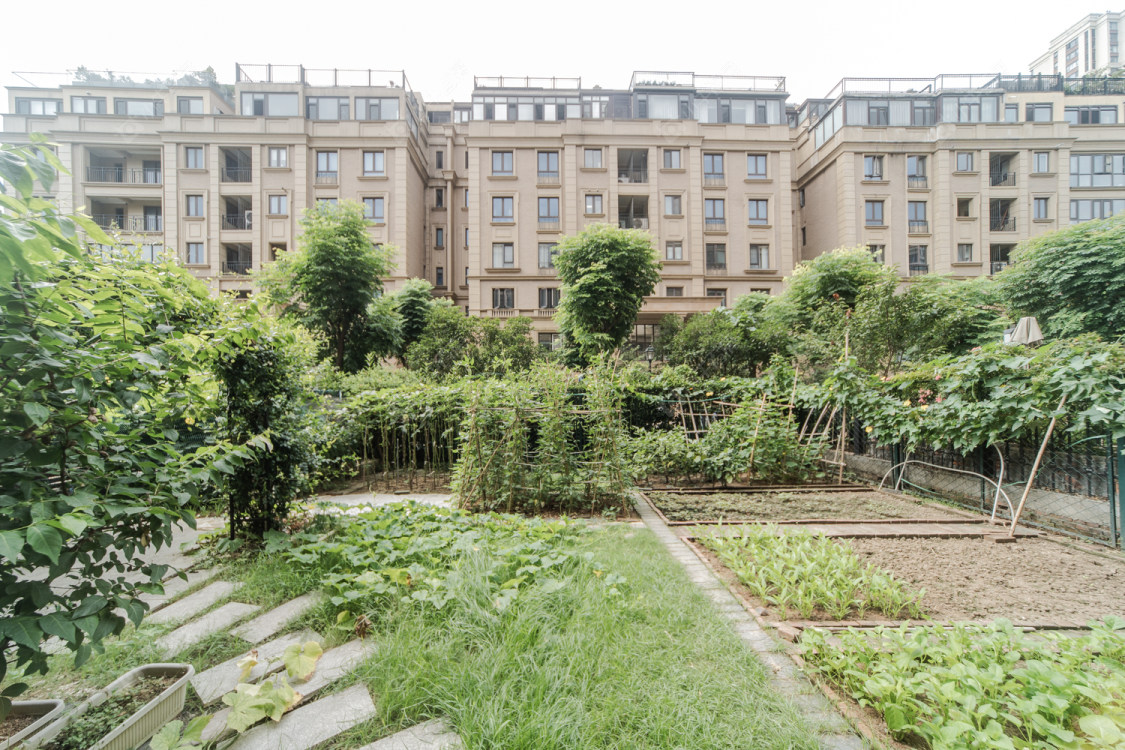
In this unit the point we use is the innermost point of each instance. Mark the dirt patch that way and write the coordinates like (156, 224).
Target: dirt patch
(423, 481)
(792, 506)
(1033, 581)
(13, 725)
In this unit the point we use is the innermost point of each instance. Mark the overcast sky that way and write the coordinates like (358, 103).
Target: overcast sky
(441, 45)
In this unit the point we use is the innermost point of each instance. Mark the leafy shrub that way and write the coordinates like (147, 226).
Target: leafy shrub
(455, 343)
(838, 276)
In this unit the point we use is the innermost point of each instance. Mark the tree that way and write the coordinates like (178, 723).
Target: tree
(413, 303)
(452, 342)
(445, 341)
(1072, 280)
(836, 276)
(606, 273)
(331, 280)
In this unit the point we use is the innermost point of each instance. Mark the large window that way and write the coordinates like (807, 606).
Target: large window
(919, 259)
(548, 298)
(673, 205)
(756, 166)
(327, 166)
(548, 251)
(373, 209)
(916, 171)
(549, 210)
(873, 167)
(193, 157)
(758, 212)
(1085, 209)
(715, 213)
(270, 105)
(1039, 112)
(502, 163)
(503, 255)
(716, 255)
(671, 158)
(759, 257)
(87, 105)
(548, 165)
(594, 205)
(916, 217)
(1097, 170)
(26, 106)
(873, 213)
(592, 158)
(713, 167)
(138, 107)
(193, 205)
(503, 299)
(502, 209)
(374, 164)
(376, 109)
(279, 157)
(189, 105)
(1105, 115)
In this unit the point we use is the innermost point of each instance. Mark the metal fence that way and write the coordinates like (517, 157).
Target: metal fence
(1077, 490)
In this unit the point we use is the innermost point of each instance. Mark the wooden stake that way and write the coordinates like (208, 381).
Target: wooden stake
(1035, 467)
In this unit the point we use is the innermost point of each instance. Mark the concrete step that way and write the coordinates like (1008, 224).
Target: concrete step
(311, 724)
(190, 606)
(266, 625)
(196, 630)
(214, 683)
(432, 735)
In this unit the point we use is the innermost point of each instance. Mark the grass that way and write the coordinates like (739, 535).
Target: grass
(655, 667)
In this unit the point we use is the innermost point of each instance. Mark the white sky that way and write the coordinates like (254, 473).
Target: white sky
(442, 44)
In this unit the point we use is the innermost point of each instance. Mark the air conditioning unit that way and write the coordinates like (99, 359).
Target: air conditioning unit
(248, 218)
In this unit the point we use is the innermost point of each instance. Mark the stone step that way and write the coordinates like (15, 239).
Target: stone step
(192, 605)
(332, 665)
(175, 586)
(196, 630)
(267, 625)
(311, 724)
(214, 683)
(432, 735)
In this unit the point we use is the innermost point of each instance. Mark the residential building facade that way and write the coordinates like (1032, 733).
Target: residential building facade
(1090, 46)
(735, 186)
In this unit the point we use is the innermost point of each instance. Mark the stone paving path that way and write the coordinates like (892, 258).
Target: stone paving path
(192, 605)
(274, 621)
(834, 733)
(175, 586)
(196, 630)
(212, 684)
(310, 725)
(432, 735)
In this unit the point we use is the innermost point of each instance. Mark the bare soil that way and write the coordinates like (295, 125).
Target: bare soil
(13, 725)
(1032, 581)
(435, 481)
(792, 506)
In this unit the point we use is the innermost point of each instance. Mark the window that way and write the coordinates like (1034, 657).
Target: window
(964, 208)
(757, 212)
(878, 253)
(439, 237)
(1091, 115)
(873, 167)
(270, 105)
(548, 251)
(439, 159)
(87, 105)
(759, 257)
(327, 166)
(1011, 113)
(916, 216)
(593, 158)
(716, 256)
(466, 282)
(503, 255)
(439, 197)
(549, 210)
(671, 158)
(919, 259)
(1041, 162)
(503, 299)
(922, 113)
(1042, 209)
(756, 166)
(466, 238)
(367, 108)
(279, 205)
(374, 164)
(549, 341)
(279, 157)
(674, 250)
(327, 201)
(804, 237)
(548, 298)
(549, 165)
(466, 197)
(1097, 170)
(439, 276)
(194, 205)
(1085, 210)
(1038, 112)
(138, 107)
(193, 157)
(502, 163)
(713, 167)
(189, 105)
(715, 213)
(873, 213)
(373, 209)
(964, 161)
(965, 252)
(38, 106)
(721, 293)
(673, 205)
(594, 205)
(916, 171)
(502, 209)
(196, 255)
(673, 291)
(801, 197)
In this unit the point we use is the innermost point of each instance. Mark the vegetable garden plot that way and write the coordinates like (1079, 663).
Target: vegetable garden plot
(792, 506)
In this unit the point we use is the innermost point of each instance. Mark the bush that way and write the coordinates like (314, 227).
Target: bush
(837, 276)
(453, 342)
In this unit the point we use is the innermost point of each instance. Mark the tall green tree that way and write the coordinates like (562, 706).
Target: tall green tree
(606, 273)
(414, 302)
(1072, 280)
(331, 280)
(835, 277)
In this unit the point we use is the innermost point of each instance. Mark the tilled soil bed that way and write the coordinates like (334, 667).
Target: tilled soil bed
(792, 506)
(1033, 581)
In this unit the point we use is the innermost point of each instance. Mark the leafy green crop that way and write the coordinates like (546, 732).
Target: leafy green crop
(809, 572)
(984, 687)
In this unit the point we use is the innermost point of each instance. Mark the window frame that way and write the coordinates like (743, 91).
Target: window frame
(756, 160)
(507, 254)
(757, 252)
(507, 213)
(201, 163)
(869, 217)
(507, 159)
(674, 205)
(600, 204)
(757, 212)
(278, 200)
(283, 162)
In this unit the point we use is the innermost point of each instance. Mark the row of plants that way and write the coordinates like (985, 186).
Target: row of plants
(983, 687)
(796, 570)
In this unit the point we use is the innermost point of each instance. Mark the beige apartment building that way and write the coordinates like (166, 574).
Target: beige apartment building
(942, 175)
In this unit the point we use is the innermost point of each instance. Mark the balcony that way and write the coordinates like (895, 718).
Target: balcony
(714, 225)
(632, 176)
(716, 269)
(237, 267)
(129, 223)
(1002, 178)
(997, 266)
(1002, 224)
(714, 180)
(548, 224)
(636, 222)
(238, 221)
(236, 174)
(919, 227)
(122, 176)
(917, 181)
(327, 178)
(548, 178)
(919, 269)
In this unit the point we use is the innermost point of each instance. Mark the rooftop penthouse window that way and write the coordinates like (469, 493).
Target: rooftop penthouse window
(256, 104)
(745, 111)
